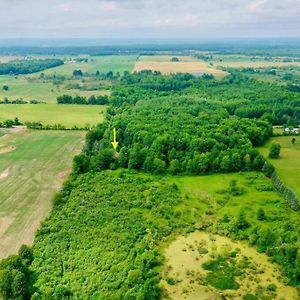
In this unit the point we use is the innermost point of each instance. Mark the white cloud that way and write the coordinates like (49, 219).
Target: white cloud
(152, 18)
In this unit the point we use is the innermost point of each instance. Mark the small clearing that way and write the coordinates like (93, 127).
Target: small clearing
(184, 276)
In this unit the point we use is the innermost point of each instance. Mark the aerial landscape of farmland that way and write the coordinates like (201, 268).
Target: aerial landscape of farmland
(149, 150)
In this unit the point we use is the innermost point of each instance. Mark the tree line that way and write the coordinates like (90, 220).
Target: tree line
(28, 66)
(92, 100)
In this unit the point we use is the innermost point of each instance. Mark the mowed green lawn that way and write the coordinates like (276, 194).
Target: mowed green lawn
(288, 165)
(29, 177)
(50, 114)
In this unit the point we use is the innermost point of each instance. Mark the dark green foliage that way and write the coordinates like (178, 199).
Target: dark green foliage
(164, 130)
(10, 123)
(28, 66)
(80, 163)
(261, 216)
(289, 195)
(16, 279)
(92, 100)
(234, 189)
(241, 223)
(5, 87)
(223, 272)
(275, 150)
(102, 240)
(77, 73)
(249, 297)
(268, 169)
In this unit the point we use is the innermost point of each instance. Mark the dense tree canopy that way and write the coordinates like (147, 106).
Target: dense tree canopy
(28, 66)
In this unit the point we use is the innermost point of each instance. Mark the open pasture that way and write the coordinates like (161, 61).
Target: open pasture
(164, 65)
(244, 61)
(32, 87)
(30, 174)
(51, 114)
(211, 190)
(21, 87)
(103, 64)
(288, 164)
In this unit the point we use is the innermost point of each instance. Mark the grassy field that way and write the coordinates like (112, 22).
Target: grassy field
(183, 276)
(259, 193)
(103, 64)
(30, 87)
(185, 64)
(34, 168)
(245, 61)
(50, 114)
(22, 88)
(288, 165)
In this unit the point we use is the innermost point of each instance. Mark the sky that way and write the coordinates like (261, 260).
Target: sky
(149, 18)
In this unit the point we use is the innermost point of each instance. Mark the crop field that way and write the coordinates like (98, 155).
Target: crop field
(288, 164)
(244, 61)
(51, 114)
(164, 65)
(7, 58)
(103, 64)
(21, 87)
(32, 87)
(33, 165)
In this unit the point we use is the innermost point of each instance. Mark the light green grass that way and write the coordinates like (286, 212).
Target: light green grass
(288, 165)
(50, 114)
(205, 190)
(30, 176)
(103, 64)
(21, 88)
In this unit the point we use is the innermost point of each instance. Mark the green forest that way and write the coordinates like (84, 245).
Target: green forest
(103, 237)
(28, 66)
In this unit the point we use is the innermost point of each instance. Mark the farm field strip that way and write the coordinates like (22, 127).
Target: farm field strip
(29, 176)
(27, 87)
(51, 114)
(254, 64)
(185, 65)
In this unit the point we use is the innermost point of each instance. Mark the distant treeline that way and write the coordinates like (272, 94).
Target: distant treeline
(92, 100)
(10, 123)
(20, 101)
(275, 47)
(28, 66)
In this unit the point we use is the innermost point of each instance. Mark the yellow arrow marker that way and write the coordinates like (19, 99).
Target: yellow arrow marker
(115, 143)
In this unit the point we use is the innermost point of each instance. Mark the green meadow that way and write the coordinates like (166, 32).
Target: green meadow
(31, 87)
(103, 64)
(21, 87)
(51, 114)
(288, 164)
